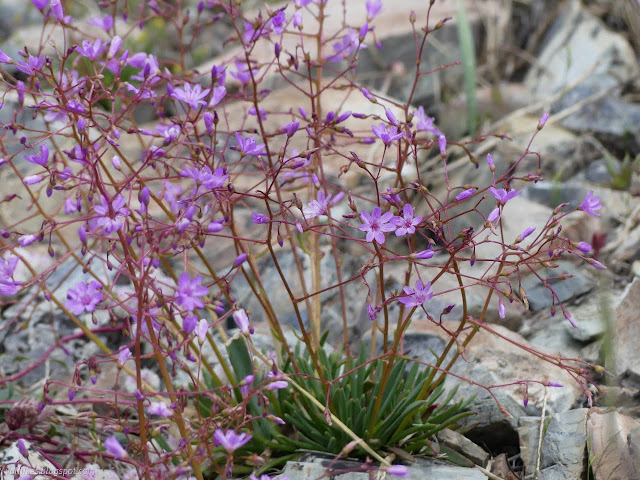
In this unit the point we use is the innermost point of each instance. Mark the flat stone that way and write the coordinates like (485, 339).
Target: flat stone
(563, 445)
(626, 331)
(611, 120)
(461, 444)
(506, 363)
(611, 444)
(576, 42)
(311, 467)
(590, 317)
(540, 297)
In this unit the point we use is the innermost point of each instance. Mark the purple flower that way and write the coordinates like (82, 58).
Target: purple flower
(242, 320)
(492, 166)
(109, 216)
(169, 133)
(28, 239)
(201, 330)
(259, 218)
(56, 8)
(398, 471)
(243, 73)
(502, 311)
(493, 216)
(189, 324)
(205, 178)
(528, 231)
(7, 268)
(442, 145)
(230, 440)
(248, 146)
(584, 247)
(4, 58)
(113, 446)
(317, 207)
(426, 123)
(218, 95)
(543, 120)
(502, 195)
(105, 23)
(594, 263)
(32, 65)
(40, 4)
(407, 222)
(590, 204)
(376, 225)
(290, 128)
(91, 51)
(159, 408)
(278, 21)
(240, 259)
(386, 134)
(464, 195)
(278, 382)
(84, 297)
(123, 356)
(192, 96)
(344, 48)
(190, 291)
(373, 8)
(422, 255)
(42, 159)
(416, 297)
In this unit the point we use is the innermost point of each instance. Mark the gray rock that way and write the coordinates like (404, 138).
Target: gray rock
(461, 444)
(552, 334)
(553, 194)
(613, 121)
(633, 440)
(576, 42)
(540, 297)
(311, 467)
(590, 317)
(598, 173)
(626, 331)
(612, 445)
(563, 445)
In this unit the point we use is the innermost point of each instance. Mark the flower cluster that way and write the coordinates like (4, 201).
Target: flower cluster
(157, 191)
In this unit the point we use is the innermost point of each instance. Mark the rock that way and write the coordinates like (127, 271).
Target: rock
(310, 467)
(492, 360)
(540, 297)
(626, 331)
(15, 466)
(612, 439)
(590, 317)
(576, 42)
(461, 444)
(552, 194)
(563, 445)
(635, 268)
(551, 333)
(598, 173)
(615, 122)
(331, 314)
(628, 246)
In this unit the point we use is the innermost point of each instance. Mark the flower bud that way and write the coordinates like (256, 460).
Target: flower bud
(492, 166)
(525, 234)
(543, 120)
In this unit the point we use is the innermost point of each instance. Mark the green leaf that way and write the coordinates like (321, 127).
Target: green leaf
(239, 357)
